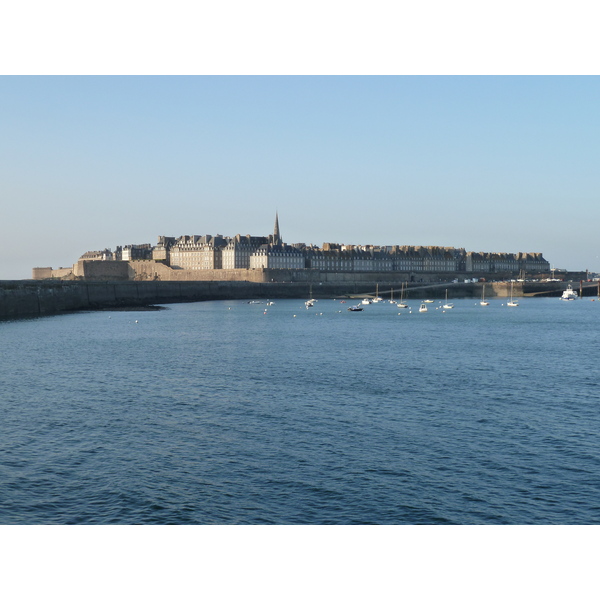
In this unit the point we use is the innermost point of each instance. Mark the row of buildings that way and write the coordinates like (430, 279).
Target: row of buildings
(207, 252)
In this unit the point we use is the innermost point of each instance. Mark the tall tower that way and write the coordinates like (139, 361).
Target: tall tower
(276, 235)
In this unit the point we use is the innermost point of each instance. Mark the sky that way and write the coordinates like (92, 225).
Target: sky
(353, 143)
(485, 163)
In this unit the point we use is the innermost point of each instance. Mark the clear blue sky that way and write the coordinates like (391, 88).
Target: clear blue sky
(488, 163)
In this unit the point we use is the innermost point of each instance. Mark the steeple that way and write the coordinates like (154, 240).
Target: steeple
(276, 235)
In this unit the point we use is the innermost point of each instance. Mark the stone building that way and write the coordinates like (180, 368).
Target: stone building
(532, 262)
(161, 252)
(217, 253)
(197, 252)
(236, 254)
(106, 254)
(136, 252)
(277, 256)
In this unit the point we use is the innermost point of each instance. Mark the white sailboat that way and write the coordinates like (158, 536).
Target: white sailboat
(377, 297)
(402, 304)
(512, 302)
(447, 304)
(483, 302)
(311, 301)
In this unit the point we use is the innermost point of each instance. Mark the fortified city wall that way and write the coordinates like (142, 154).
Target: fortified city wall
(149, 270)
(50, 273)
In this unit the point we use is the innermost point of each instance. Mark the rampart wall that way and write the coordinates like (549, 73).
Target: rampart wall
(50, 273)
(149, 270)
(102, 270)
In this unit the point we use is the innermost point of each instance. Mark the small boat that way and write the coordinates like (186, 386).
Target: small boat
(428, 301)
(377, 297)
(367, 301)
(356, 308)
(311, 301)
(512, 302)
(483, 300)
(448, 304)
(401, 303)
(569, 294)
(423, 307)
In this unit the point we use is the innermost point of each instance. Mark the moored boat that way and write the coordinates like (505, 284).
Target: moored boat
(569, 294)
(311, 301)
(356, 308)
(448, 304)
(483, 301)
(377, 298)
(512, 302)
(401, 303)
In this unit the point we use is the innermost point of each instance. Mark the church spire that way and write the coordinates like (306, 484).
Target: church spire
(276, 234)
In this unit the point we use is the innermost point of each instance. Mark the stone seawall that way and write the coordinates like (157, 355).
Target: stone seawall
(30, 298)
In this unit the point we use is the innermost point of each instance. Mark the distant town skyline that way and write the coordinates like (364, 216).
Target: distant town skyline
(494, 164)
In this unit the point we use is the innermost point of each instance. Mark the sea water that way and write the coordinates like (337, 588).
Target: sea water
(236, 413)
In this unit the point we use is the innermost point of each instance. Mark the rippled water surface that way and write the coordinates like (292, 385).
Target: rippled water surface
(220, 412)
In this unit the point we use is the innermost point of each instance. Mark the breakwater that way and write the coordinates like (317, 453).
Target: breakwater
(25, 298)
(29, 298)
